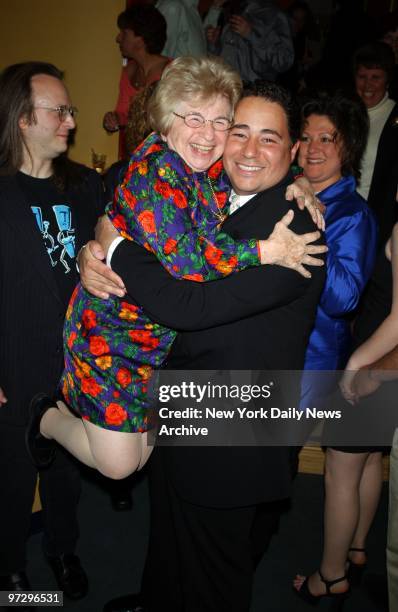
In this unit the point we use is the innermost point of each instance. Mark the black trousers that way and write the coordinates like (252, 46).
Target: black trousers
(201, 559)
(59, 492)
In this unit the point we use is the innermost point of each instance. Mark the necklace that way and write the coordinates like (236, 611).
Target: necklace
(216, 213)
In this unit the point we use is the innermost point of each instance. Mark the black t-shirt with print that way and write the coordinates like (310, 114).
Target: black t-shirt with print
(53, 217)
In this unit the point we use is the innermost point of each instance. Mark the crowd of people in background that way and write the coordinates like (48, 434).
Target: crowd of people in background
(225, 112)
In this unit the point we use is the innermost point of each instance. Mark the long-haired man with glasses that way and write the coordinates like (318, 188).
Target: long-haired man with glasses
(48, 209)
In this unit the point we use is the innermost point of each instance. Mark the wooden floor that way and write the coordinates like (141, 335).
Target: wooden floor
(312, 459)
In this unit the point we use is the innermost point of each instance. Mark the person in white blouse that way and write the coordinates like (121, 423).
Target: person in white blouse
(373, 69)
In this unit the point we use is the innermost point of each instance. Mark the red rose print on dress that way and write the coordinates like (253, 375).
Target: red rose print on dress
(147, 221)
(115, 414)
(89, 318)
(98, 346)
(144, 338)
(90, 386)
(123, 377)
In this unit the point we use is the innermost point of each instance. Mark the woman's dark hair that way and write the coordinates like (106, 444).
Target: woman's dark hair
(349, 116)
(16, 102)
(145, 21)
(272, 92)
(375, 55)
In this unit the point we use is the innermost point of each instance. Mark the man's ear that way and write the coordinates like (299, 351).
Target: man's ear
(294, 150)
(24, 122)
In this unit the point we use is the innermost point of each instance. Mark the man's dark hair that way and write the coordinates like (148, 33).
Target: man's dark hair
(375, 55)
(271, 92)
(349, 115)
(145, 21)
(16, 102)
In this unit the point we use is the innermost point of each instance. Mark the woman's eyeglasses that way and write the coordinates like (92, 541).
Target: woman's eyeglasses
(196, 120)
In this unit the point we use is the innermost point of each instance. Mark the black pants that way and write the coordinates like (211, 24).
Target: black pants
(59, 492)
(201, 559)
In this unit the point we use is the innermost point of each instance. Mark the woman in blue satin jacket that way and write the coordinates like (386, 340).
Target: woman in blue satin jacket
(334, 135)
(333, 140)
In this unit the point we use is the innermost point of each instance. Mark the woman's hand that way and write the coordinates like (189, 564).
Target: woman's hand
(96, 277)
(285, 248)
(346, 384)
(212, 34)
(364, 383)
(302, 191)
(110, 121)
(240, 25)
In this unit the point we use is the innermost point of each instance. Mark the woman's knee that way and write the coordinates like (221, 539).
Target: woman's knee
(375, 460)
(117, 471)
(343, 469)
(115, 454)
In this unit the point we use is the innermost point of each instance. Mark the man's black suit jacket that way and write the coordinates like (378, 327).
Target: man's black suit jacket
(268, 312)
(383, 188)
(32, 310)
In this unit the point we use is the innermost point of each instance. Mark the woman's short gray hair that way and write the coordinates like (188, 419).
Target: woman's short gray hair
(191, 79)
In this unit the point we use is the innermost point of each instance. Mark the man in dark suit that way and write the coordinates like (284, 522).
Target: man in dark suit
(48, 209)
(213, 509)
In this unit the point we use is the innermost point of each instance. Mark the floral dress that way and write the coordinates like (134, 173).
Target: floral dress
(111, 346)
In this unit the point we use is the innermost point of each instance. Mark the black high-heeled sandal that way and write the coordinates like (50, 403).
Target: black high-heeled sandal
(355, 571)
(338, 599)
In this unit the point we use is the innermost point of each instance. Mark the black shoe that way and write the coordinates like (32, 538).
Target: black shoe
(338, 599)
(40, 449)
(70, 575)
(355, 571)
(18, 581)
(120, 494)
(127, 603)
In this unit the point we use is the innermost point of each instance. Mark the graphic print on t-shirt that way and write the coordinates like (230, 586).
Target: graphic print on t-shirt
(58, 235)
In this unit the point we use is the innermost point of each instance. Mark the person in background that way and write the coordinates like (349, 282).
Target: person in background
(380, 359)
(49, 207)
(333, 139)
(185, 32)
(255, 38)
(303, 29)
(389, 34)
(350, 27)
(373, 66)
(142, 36)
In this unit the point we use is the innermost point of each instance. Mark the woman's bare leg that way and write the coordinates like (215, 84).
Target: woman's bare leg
(369, 496)
(343, 472)
(115, 454)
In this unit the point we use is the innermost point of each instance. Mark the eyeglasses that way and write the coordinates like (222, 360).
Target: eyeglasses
(196, 120)
(62, 110)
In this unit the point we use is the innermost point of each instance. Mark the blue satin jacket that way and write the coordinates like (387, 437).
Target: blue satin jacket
(351, 236)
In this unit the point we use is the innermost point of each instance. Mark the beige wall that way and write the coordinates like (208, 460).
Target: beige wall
(78, 36)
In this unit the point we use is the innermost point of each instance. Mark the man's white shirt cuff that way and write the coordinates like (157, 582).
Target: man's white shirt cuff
(114, 244)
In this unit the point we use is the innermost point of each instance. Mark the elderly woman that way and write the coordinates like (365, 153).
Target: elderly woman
(172, 202)
(332, 144)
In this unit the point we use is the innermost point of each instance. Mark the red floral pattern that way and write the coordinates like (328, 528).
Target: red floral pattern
(112, 348)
